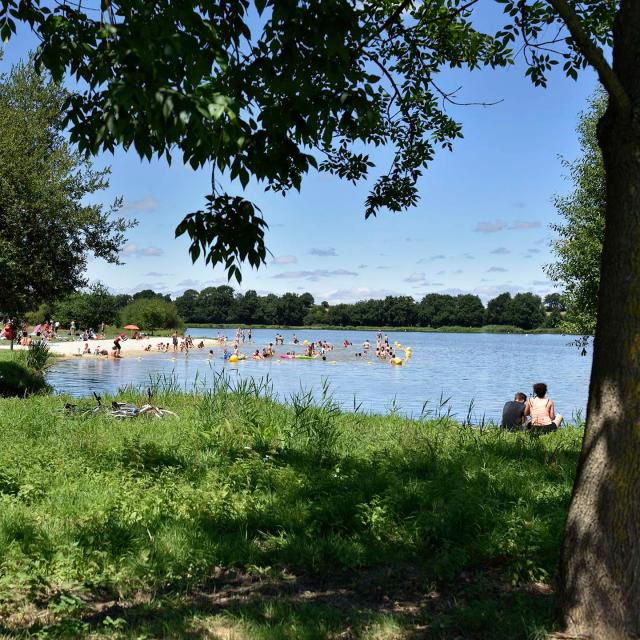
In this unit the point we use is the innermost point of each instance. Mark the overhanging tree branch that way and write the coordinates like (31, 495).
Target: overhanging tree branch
(593, 54)
(393, 17)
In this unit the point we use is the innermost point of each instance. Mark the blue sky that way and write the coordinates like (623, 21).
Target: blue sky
(482, 225)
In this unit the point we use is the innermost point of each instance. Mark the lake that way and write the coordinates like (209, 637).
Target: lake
(478, 368)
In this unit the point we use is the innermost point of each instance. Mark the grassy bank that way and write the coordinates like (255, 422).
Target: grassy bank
(244, 518)
(17, 378)
(491, 328)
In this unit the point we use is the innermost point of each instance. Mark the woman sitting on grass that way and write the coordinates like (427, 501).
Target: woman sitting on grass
(542, 410)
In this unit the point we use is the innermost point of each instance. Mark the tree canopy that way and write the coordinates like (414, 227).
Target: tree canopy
(270, 89)
(89, 309)
(581, 233)
(47, 229)
(151, 313)
(264, 90)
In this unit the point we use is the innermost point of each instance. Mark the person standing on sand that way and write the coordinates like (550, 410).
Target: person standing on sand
(116, 345)
(174, 337)
(542, 411)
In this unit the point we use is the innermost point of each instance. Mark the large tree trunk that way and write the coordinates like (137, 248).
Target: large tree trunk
(600, 571)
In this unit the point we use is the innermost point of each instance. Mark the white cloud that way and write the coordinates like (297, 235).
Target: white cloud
(145, 205)
(339, 296)
(326, 252)
(501, 225)
(520, 225)
(316, 274)
(439, 256)
(486, 292)
(284, 260)
(155, 286)
(490, 227)
(416, 276)
(132, 249)
(501, 251)
(497, 270)
(152, 251)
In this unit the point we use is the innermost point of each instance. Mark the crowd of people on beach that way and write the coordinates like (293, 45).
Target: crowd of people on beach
(48, 331)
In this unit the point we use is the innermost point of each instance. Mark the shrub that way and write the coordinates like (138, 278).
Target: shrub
(17, 379)
(151, 314)
(37, 356)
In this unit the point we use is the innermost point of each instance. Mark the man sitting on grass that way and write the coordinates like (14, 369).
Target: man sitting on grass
(513, 413)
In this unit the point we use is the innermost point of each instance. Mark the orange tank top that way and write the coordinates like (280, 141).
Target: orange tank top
(539, 408)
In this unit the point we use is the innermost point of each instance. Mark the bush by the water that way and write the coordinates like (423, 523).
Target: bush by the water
(21, 372)
(151, 314)
(241, 491)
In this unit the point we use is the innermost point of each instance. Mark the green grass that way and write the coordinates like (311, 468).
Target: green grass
(245, 518)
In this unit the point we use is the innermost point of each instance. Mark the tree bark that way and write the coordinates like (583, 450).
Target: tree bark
(600, 569)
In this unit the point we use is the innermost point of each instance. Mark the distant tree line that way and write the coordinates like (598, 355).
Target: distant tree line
(222, 305)
(218, 305)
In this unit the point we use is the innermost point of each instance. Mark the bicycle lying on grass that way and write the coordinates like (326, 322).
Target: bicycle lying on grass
(119, 410)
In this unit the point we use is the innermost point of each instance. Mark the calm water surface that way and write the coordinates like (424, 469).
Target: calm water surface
(484, 368)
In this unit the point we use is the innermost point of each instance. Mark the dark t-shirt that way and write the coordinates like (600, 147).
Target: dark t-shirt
(512, 414)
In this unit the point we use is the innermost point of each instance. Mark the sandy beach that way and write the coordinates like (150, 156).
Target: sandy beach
(130, 347)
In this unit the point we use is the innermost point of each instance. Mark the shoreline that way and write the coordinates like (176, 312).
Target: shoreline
(71, 348)
(497, 329)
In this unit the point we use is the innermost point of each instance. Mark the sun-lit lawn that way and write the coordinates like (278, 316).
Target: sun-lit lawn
(245, 518)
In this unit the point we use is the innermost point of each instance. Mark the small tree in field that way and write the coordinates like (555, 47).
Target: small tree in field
(47, 228)
(151, 314)
(581, 232)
